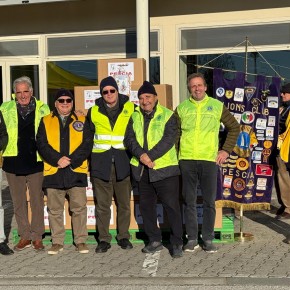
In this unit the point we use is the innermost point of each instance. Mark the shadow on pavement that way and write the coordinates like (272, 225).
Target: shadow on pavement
(8, 211)
(262, 217)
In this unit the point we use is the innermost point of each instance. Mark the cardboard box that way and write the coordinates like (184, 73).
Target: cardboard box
(218, 218)
(85, 97)
(164, 93)
(91, 216)
(89, 190)
(127, 72)
(137, 220)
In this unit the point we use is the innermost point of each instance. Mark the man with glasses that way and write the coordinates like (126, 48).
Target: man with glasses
(64, 142)
(22, 164)
(109, 167)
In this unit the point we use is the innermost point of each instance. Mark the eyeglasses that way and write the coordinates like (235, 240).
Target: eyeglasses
(62, 101)
(107, 91)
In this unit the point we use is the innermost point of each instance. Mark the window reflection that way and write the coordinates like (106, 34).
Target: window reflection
(68, 74)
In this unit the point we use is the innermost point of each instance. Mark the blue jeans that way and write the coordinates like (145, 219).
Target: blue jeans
(204, 173)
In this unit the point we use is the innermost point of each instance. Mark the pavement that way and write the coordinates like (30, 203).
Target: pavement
(261, 263)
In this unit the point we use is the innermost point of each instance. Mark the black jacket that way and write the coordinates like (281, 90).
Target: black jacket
(26, 161)
(64, 178)
(3, 133)
(101, 163)
(170, 138)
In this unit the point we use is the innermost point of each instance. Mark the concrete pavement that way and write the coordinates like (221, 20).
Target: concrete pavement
(263, 263)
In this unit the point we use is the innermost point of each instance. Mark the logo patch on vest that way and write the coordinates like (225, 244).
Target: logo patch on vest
(78, 126)
(209, 108)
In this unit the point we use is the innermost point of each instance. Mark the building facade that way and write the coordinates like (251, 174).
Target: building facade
(58, 44)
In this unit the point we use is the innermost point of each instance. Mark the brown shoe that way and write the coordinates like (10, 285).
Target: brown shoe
(22, 244)
(55, 249)
(82, 248)
(37, 245)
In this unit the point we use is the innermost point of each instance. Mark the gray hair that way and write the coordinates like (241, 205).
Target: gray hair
(23, 79)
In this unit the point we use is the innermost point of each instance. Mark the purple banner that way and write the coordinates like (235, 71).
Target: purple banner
(247, 177)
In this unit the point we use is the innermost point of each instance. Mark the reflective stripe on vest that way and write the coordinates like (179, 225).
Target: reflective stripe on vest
(105, 137)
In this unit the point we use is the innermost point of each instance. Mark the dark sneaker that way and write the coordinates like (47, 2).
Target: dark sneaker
(38, 245)
(103, 247)
(152, 247)
(177, 251)
(5, 250)
(22, 244)
(191, 246)
(55, 249)
(280, 210)
(82, 248)
(209, 247)
(283, 216)
(125, 244)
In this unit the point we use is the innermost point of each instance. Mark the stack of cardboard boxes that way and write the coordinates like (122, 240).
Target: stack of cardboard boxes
(129, 74)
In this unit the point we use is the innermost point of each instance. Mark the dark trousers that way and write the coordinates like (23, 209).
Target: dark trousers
(104, 192)
(204, 173)
(168, 192)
